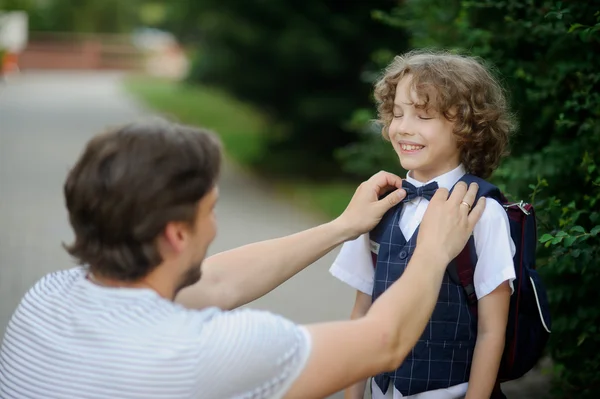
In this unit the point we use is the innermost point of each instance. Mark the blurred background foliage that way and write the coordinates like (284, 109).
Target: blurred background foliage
(288, 85)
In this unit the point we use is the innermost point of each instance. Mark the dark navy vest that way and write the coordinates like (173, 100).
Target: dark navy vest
(442, 356)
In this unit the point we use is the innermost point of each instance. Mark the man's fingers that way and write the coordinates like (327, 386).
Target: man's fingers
(476, 213)
(441, 195)
(458, 193)
(384, 181)
(392, 199)
(382, 191)
(471, 194)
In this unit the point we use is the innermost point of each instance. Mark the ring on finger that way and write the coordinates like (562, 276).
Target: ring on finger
(466, 204)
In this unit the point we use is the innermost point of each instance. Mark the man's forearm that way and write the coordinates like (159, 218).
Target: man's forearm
(361, 307)
(356, 391)
(241, 275)
(406, 306)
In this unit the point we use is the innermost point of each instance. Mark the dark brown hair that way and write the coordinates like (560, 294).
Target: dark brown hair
(465, 92)
(128, 184)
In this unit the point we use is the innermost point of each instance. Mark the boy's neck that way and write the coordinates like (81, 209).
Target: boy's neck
(423, 176)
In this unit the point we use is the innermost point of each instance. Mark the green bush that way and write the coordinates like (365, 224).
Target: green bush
(301, 63)
(571, 270)
(548, 55)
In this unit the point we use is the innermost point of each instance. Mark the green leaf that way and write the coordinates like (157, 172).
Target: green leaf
(578, 229)
(575, 27)
(557, 240)
(581, 338)
(546, 237)
(594, 232)
(584, 237)
(562, 234)
(569, 241)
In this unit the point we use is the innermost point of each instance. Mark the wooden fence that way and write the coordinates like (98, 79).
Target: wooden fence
(70, 51)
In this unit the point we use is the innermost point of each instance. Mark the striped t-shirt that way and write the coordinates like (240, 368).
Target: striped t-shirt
(70, 338)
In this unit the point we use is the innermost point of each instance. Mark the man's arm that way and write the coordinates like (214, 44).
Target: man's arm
(361, 307)
(346, 352)
(238, 276)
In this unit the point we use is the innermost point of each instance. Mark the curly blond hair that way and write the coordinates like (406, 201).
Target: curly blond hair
(465, 92)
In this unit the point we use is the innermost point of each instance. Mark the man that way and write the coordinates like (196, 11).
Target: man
(140, 201)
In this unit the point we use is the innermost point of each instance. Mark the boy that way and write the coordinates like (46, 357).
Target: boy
(445, 116)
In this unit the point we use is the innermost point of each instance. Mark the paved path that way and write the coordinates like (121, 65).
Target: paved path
(45, 119)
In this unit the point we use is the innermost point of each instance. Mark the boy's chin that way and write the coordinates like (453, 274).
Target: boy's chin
(408, 164)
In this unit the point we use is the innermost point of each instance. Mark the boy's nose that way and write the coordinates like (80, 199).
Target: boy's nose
(399, 128)
(405, 128)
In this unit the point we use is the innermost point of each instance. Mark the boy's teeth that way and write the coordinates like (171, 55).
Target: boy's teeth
(409, 147)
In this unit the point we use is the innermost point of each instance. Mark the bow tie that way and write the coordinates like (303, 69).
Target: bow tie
(413, 192)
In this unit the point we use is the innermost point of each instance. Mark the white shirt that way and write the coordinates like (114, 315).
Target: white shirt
(70, 338)
(493, 244)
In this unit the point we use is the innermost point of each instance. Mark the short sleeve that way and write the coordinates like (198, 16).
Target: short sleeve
(250, 354)
(495, 250)
(354, 265)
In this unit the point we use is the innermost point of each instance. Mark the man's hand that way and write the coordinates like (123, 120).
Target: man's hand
(449, 222)
(365, 209)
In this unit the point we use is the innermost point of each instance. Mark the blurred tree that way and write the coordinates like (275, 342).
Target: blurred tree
(301, 63)
(86, 16)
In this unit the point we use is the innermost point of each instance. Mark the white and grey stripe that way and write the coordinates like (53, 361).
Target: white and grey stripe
(70, 338)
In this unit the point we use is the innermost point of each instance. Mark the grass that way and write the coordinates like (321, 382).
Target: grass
(330, 199)
(242, 130)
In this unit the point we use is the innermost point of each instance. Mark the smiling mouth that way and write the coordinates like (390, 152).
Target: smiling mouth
(411, 147)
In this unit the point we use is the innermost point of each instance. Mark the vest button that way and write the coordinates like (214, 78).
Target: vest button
(403, 255)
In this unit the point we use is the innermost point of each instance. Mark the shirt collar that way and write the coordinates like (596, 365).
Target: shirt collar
(447, 180)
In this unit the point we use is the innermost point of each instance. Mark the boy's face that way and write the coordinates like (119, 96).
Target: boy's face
(423, 139)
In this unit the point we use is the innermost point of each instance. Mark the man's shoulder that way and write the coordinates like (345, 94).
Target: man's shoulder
(268, 335)
(250, 321)
(67, 275)
(57, 281)
(265, 351)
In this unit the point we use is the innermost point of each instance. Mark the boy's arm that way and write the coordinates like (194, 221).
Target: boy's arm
(361, 307)
(491, 329)
(493, 278)
(238, 276)
(346, 352)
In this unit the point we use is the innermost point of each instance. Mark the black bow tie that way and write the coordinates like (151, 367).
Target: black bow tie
(413, 192)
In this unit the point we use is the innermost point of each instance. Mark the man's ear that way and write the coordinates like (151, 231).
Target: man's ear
(176, 236)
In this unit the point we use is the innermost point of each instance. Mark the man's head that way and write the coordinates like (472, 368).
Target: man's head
(437, 108)
(142, 195)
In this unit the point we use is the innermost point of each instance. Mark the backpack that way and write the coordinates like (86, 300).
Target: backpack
(528, 327)
(529, 322)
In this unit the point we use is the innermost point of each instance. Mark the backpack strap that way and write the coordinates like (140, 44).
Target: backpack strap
(462, 269)
(486, 189)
